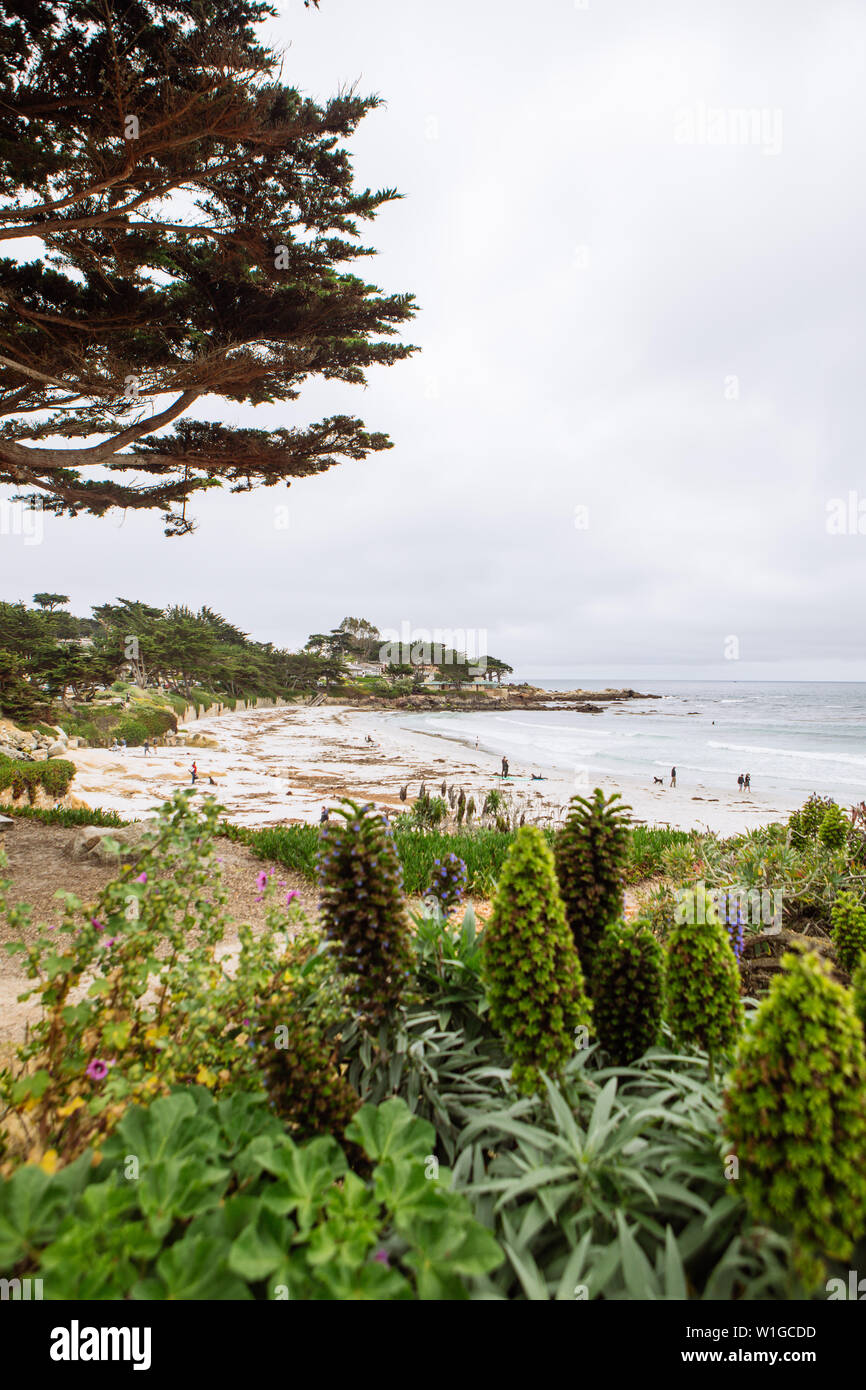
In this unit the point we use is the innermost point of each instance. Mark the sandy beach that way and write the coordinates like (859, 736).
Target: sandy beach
(281, 766)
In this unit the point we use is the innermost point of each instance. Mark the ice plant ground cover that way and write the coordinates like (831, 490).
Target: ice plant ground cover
(393, 1104)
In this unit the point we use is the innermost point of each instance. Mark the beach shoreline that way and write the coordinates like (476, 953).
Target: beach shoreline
(282, 765)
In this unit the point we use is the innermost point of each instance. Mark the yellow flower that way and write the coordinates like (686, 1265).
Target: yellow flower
(205, 1077)
(71, 1108)
(48, 1162)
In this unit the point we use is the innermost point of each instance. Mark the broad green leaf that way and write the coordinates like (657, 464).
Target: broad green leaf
(390, 1130)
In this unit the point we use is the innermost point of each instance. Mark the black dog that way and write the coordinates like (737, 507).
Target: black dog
(660, 780)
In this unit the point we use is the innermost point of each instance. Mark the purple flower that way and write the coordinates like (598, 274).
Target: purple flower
(293, 893)
(381, 1256)
(98, 925)
(97, 1070)
(261, 881)
(142, 878)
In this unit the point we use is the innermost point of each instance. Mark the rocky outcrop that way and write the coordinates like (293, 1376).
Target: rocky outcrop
(110, 845)
(520, 697)
(29, 745)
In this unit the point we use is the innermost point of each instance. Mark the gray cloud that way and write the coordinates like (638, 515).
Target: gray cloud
(666, 333)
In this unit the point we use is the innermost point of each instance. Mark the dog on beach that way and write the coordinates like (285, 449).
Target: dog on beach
(659, 780)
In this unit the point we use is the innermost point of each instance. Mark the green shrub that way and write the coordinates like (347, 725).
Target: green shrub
(627, 991)
(591, 853)
(61, 815)
(702, 979)
(301, 1074)
(144, 722)
(796, 1111)
(803, 825)
(833, 833)
(429, 811)
(153, 998)
(848, 930)
(532, 971)
(858, 984)
(647, 846)
(363, 911)
(53, 775)
(224, 1205)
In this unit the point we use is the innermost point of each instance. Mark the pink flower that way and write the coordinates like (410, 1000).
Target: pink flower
(382, 1257)
(261, 881)
(97, 1070)
(109, 941)
(293, 893)
(98, 925)
(142, 878)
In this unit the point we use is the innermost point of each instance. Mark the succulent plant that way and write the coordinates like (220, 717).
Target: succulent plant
(803, 825)
(848, 930)
(858, 986)
(833, 832)
(591, 851)
(301, 1074)
(448, 881)
(363, 910)
(627, 991)
(531, 969)
(702, 980)
(795, 1112)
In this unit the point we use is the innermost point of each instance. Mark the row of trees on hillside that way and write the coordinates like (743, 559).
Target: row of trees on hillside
(357, 639)
(48, 655)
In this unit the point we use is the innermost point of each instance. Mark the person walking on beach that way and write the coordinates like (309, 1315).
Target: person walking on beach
(324, 816)
(504, 767)
(193, 774)
(146, 747)
(740, 780)
(747, 782)
(673, 776)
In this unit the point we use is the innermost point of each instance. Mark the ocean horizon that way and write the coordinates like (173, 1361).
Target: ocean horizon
(792, 737)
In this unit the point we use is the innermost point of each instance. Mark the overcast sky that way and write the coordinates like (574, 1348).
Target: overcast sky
(636, 235)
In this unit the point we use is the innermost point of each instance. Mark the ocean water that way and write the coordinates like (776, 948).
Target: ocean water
(793, 738)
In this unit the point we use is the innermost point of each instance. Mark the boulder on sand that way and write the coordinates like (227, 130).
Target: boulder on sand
(89, 844)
